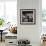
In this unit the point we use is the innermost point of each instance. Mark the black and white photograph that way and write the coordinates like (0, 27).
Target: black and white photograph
(27, 16)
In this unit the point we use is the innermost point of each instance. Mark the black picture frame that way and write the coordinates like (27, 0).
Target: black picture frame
(27, 16)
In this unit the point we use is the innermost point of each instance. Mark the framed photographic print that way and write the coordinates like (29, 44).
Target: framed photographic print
(27, 16)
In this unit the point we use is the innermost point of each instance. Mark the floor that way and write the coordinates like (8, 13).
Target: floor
(2, 43)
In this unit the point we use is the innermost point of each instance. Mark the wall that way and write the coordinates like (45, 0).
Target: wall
(31, 32)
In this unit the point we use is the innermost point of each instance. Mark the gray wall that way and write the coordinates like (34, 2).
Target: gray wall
(31, 32)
